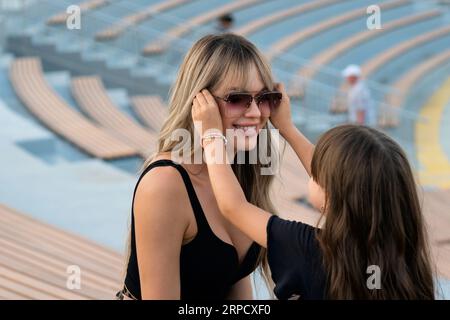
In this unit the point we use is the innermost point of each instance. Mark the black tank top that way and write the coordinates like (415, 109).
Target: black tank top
(208, 265)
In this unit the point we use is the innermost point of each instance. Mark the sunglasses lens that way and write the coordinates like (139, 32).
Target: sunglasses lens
(239, 99)
(269, 101)
(237, 103)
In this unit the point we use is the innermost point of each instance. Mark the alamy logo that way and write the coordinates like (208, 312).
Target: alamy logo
(74, 277)
(73, 20)
(374, 280)
(374, 20)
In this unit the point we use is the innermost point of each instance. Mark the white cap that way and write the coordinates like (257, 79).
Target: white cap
(351, 70)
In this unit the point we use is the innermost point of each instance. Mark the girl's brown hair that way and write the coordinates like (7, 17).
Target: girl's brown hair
(373, 217)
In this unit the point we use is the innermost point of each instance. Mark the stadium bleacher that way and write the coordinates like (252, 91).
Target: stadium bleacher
(151, 110)
(99, 143)
(35, 257)
(38, 97)
(91, 95)
(405, 83)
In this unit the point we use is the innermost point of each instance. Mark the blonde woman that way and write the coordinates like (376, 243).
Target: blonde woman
(181, 247)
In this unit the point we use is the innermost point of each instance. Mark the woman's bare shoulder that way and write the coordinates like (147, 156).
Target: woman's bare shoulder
(157, 191)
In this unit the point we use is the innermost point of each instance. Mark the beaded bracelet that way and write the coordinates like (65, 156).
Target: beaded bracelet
(213, 136)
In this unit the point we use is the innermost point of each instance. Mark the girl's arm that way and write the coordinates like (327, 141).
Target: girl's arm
(282, 120)
(231, 198)
(227, 190)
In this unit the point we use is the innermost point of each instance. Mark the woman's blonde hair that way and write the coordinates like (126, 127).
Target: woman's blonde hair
(213, 60)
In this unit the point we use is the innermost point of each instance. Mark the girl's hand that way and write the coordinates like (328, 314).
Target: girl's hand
(281, 116)
(205, 113)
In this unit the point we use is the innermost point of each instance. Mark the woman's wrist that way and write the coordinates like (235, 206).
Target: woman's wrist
(211, 136)
(215, 150)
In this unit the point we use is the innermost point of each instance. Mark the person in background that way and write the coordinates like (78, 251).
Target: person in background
(359, 102)
(225, 23)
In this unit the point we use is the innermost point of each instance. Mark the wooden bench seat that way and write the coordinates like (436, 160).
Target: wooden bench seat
(115, 30)
(47, 106)
(296, 37)
(151, 110)
(34, 258)
(85, 6)
(160, 45)
(93, 99)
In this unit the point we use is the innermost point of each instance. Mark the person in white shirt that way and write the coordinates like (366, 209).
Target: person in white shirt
(360, 105)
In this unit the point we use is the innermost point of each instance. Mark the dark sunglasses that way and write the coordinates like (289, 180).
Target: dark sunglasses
(238, 102)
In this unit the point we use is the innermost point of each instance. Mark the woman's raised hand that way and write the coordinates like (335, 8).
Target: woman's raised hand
(205, 113)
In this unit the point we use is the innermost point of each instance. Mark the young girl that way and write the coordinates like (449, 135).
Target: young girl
(363, 185)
